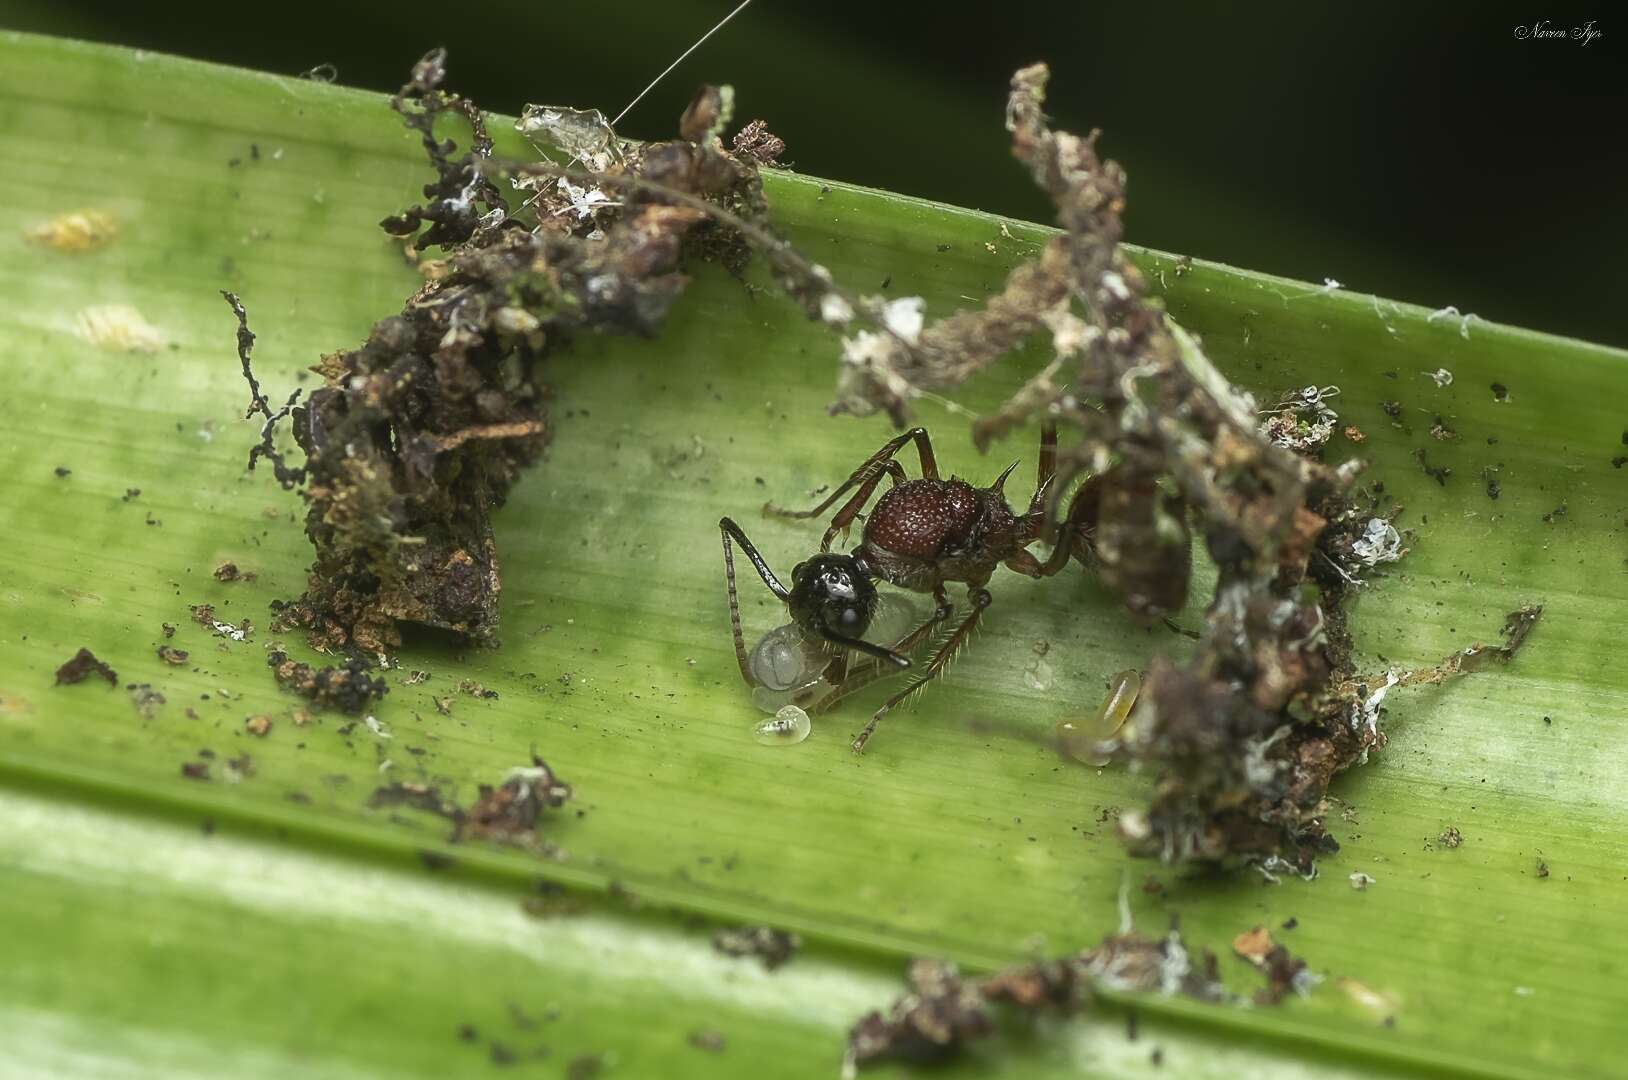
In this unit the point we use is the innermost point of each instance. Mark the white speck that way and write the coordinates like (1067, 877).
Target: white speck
(904, 317)
(1115, 285)
(1451, 312)
(377, 728)
(227, 630)
(277, 154)
(1329, 285)
(1524, 991)
(1442, 376)
(1361, 881)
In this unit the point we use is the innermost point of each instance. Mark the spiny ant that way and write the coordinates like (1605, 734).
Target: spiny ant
(921, 535)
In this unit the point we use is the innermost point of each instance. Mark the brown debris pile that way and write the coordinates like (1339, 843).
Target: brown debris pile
(347, 687)
(416, 437)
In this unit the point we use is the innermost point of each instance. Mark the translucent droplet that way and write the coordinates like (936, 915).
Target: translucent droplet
(787, 727)
(784, 659)
(1080, 736)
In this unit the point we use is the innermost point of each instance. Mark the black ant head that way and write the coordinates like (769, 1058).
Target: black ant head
(832, 596)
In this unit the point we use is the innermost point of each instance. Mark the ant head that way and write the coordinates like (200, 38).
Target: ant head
(832, 595)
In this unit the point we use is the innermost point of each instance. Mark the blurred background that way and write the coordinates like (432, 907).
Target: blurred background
(1423, 152)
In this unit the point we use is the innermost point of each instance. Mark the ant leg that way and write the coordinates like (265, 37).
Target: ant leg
(850, 509)
(924, 448)
(1046, 471)
(980, 600)
(729, 530)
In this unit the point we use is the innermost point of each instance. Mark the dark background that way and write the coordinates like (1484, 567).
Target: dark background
(1420, 152)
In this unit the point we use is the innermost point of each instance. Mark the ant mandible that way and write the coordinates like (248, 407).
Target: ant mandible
(921, 535)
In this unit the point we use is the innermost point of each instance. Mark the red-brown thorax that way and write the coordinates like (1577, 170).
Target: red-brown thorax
(925, 532)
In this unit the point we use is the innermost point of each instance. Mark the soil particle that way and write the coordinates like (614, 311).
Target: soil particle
(229, 571)
(145, 699)
(195, 770)
(172, 656)
(1450, 837)
(710, 1040)
(82, 666)
(773, 947)
(346, 687)
(259, 726)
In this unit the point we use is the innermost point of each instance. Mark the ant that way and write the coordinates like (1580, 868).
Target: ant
(921, 535)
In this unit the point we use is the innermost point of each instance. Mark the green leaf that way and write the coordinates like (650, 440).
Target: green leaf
(298, 929)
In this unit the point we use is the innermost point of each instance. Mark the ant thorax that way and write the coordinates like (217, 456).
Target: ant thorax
(788, 666)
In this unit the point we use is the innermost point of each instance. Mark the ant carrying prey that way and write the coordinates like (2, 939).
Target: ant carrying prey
(921, 535)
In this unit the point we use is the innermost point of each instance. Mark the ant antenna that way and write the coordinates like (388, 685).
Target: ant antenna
(699, 42)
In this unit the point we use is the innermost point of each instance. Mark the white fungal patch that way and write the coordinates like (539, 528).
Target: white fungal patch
(117, 327)
(377, 728)
(1442, 377)
(904, 317)
(1360, 881)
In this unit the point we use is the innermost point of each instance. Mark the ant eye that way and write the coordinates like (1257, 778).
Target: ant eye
(797, 571)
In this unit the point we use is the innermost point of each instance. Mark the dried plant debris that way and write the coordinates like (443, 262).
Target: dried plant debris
(81, 666)
(416, 437)
(172, 656)
(773, 947)
(1284, 971)
(347, 687)
(230, 571)
(944, 1010)
(508, 812)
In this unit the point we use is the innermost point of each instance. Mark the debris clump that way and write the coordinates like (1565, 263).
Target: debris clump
(347, 687)
(81, 666)
(508, 812)
(773, 947)
(944, 1010)
(416, 437)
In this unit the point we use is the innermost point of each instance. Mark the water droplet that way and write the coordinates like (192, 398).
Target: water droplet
(787, 727)
(1079, 736)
